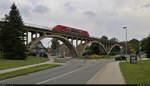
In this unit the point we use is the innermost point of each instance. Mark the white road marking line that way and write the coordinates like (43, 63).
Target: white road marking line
(59, 76)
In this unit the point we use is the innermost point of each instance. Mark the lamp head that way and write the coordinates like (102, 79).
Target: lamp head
(124, 27)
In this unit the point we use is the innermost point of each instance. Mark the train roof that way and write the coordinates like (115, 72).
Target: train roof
(72, 28)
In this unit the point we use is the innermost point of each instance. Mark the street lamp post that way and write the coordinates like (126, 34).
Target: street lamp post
(126, 41)
(140, 47)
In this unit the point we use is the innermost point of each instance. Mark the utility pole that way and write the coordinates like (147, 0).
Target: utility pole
(140, 53)
(126, 42)
(140, 63)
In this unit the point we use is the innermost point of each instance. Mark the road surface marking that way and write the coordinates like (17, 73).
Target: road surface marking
(59, 76)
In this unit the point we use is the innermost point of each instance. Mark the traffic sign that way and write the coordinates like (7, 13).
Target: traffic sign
(132, 50)
(121, 47)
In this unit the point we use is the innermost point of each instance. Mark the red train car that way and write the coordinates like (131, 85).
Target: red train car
(60, 28)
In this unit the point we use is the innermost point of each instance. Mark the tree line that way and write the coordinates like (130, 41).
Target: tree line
(134, 46)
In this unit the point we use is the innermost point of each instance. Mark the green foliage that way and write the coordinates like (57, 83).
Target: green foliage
(114, 39)
(7, 63)
(133, 44)
(115, 50)
(108, 57)
(95, 48)
(55, 43)
(59, 61)
(146, 45)
(27, 70)
(135, 73)
(80, 58)
(12, 35)
(88, 51)
(94, 55)
(104, 37)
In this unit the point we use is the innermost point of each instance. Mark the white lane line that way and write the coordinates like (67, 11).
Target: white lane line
(59, 76)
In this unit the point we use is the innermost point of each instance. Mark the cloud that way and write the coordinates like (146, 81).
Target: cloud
(69, 7)
(147, 5)
(24, 10)
(40, 9)
(4, 7)
(33, 1)
(90, 13)
(4, 4)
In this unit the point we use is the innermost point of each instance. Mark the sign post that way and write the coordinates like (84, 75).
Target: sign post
(121, 52)
(140, 64)
(37, 51)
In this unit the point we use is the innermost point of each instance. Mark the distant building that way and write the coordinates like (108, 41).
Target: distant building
(143, 54)
(61, 49)
(39, 48)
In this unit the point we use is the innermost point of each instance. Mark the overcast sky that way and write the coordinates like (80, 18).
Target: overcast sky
(98, 17)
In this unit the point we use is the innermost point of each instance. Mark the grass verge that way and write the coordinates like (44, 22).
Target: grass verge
(105, 57)
(108, 57)
(135, 73)
(59, 61)
(26, 71)
(6, 64)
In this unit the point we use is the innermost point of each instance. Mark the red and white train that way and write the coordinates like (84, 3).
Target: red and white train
(61, 28)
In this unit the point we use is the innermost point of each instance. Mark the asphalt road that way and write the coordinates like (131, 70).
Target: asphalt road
(74, 72)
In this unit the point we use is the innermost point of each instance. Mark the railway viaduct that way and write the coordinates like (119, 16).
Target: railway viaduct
(39, 33)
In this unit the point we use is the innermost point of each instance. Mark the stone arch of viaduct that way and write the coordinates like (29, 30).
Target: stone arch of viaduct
(75, 51)
(107, 51)
(91, 42)
(113, 47)
(63, 39)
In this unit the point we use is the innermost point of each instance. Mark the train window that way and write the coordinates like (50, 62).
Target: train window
(63, 27)
(75, 31)
(84, 32)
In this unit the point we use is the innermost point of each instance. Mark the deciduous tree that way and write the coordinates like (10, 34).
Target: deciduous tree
(146, 45)
(55, 43)
(104, 37)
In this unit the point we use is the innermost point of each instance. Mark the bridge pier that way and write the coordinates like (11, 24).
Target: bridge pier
(72, 41)
(81, 42)
(77, 42)
(26, 37)
(35, 35)
(31, 36)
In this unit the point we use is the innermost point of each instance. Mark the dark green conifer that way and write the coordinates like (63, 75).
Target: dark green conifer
(12, 35)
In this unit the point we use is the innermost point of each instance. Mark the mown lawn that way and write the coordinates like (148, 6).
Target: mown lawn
(26, 71)
(105, 57)
(59, 61)
(6, 64)
(136, 74)
(108, 57)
